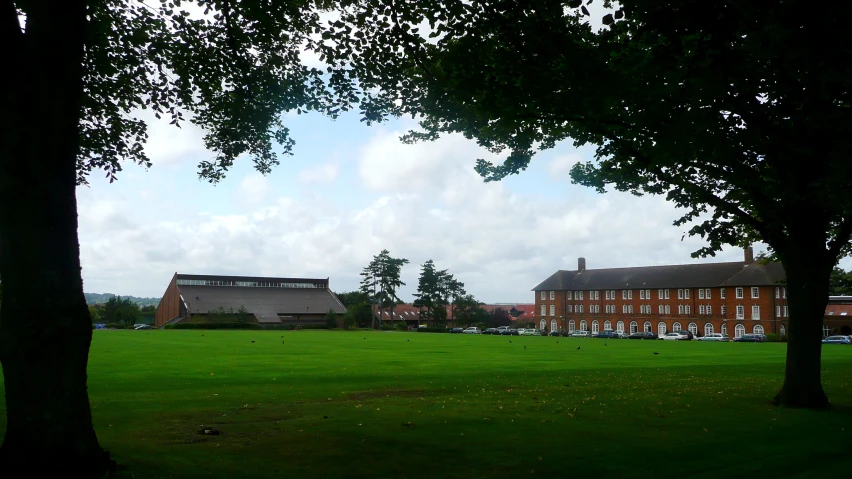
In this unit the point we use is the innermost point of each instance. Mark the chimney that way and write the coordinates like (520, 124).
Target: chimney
(581, 264)
(749, 255)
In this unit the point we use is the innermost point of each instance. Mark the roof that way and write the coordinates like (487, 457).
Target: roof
(265, 303)
(670, 276)
(257, 279)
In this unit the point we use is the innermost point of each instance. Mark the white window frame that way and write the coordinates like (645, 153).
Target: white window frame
(692, 328)
(629, 294)
(648, 326)
(676, 326)
(708, 329)
(544, 310)
(543, 295)
(688, 309)
(700, 293)
(739, 331)
(619, 326)
(596, 327)
(680, 294)
(607, 325)
(739, 293)
(552, 295)
(777, 292)
(570, 308)
(554, 325)
(606, 295)
(552, 310)
(660, 309)
(680, 309)
(740, 311)
(629, 309)
(634, 327)
(668, 309)
(785, 312)
(777, 311)
(569, 296)
(662, 329)
(581, 308)
(571, 326)
(623, 309)
(623, 294)
(784, 292)
(755, 292)
(724, 310)
(659, 294)
(722, 293)
(758, 329)
(641, 294)
(584, 326)
(755, 312)
(701, 309)
(686, 294)
(542, 324)
(667, 293)
(709, 309)
(724, 329)
(579, 295)
(707, 293)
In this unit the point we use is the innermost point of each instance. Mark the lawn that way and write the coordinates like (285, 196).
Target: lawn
(321, 404)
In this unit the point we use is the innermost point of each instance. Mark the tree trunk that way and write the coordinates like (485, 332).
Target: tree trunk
(808, 269)
(45, 331)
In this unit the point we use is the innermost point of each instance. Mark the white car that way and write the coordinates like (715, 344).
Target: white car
(472, 330)
(675, 337)
(714, 337)
(521, 331)
(581, 334)
(531, 332)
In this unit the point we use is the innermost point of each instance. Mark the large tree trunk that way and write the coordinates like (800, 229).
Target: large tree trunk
(808, 268)
(45, 331)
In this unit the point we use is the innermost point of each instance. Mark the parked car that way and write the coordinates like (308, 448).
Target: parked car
(142, 326)
(606, 335)
(714, 337)
(837, 340)
(622, 334)
(751, 338)
(581, 334)
(675, 336)
(472, 330)
(521, 331)
(456, 330)
(556, 332)
(531, 332)
(509, 332)
(688, 334)
(502, 329)
(643, 335)
(491, 331)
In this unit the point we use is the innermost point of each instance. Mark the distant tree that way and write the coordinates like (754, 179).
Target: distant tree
(96, 316)
(514, 312)
(435, 290)
(243, 315)
(380, 281)
(349, 319)
(118, 310)
(469, 311)
(840, 283)
(499, 317)
(330, 319)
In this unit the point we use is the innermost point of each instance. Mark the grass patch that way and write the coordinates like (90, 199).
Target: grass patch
(360, 404)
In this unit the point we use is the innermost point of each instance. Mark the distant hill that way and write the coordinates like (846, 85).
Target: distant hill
(96, 298)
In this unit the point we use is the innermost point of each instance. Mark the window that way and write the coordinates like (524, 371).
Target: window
(782, 330)
(724, 310)
(647, 326)
(543, 293)
(784, 292)
(777, 309)
(597, 308)
(543, 310)
(693, 328)
(755, 312)
(739, 293)
(647, 294)
(571, 326)
(722, 293)
(619, 326)
(755, 292)
(570, 308)
(688, 309)
(597, 295)
(686, 294)
(607, 326)
(785, 311)
(543, 324)
(740, 311)
(634, 328)
(709, 309)
(629, 309)
(777, 292)
(606, 308)
(579, 295)
(680, 294)
(758, 329)
(552, 310)
(659, 294)
(826, 331)
(554, 325)
(595, 327)
(641, 309)
(661, 329)
(680, 309)
(623, 294)
(668, 309)
(724, 330)
(707, 293)
(739, 330)
(701, 308)
(568, 295)
(708, 328)
(606, 294)
(676, 326)
(629, 294)
(700, 294)
(612, 294)
(552, 295)
(667, 294)
(581, 308)
(583, 326)
(623, 309)
(661, 309)
(641, 294)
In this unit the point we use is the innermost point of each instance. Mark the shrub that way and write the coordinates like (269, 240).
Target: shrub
(776, 338)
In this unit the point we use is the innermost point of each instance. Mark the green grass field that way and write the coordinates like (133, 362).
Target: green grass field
(417, 405)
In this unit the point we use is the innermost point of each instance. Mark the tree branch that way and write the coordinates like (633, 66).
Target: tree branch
(11, 25)
(844, 233)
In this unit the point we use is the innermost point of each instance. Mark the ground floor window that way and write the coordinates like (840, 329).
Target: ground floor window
(758, 329)
(647, 326)
(739, 330)
(595, 326)
(826, 331)
(571, 326)
(553, 325)
(724, 329)
(676, 326)
(661, 329)
(783, 330)
(619, 326)
(607, 326)
(693, 328)
(634, 327)
(543, 324)
(583, 326)
(708, 328)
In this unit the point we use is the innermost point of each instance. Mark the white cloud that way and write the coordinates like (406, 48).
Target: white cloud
(254, 188)
(560, 166)
(325, 173)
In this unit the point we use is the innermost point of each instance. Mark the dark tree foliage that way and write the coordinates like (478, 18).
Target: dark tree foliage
(381, 279)
(118, 310)
(436, 289)
(840, 283)
(737, 112)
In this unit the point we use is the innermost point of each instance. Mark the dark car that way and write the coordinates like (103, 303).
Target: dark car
(606, 335)
(642, 335)
(687, 333)
(491, 331)
(456, 330)
(555, 332)
(509, 332)
(751, 338)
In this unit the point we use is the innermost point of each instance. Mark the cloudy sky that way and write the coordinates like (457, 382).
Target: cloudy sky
(350, 191)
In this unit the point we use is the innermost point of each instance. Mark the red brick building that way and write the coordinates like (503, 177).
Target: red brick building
(733, 298)
(838, 316)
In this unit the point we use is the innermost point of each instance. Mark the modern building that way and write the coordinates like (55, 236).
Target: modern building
(732, 298)
(267, 301)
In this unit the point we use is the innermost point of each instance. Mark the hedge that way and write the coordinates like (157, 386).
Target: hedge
(212, 326)
(432, 330)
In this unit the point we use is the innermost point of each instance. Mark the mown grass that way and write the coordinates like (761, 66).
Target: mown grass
(319, 404)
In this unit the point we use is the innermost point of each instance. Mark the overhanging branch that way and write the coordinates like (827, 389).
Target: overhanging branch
(844, 233)
(11, 26)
